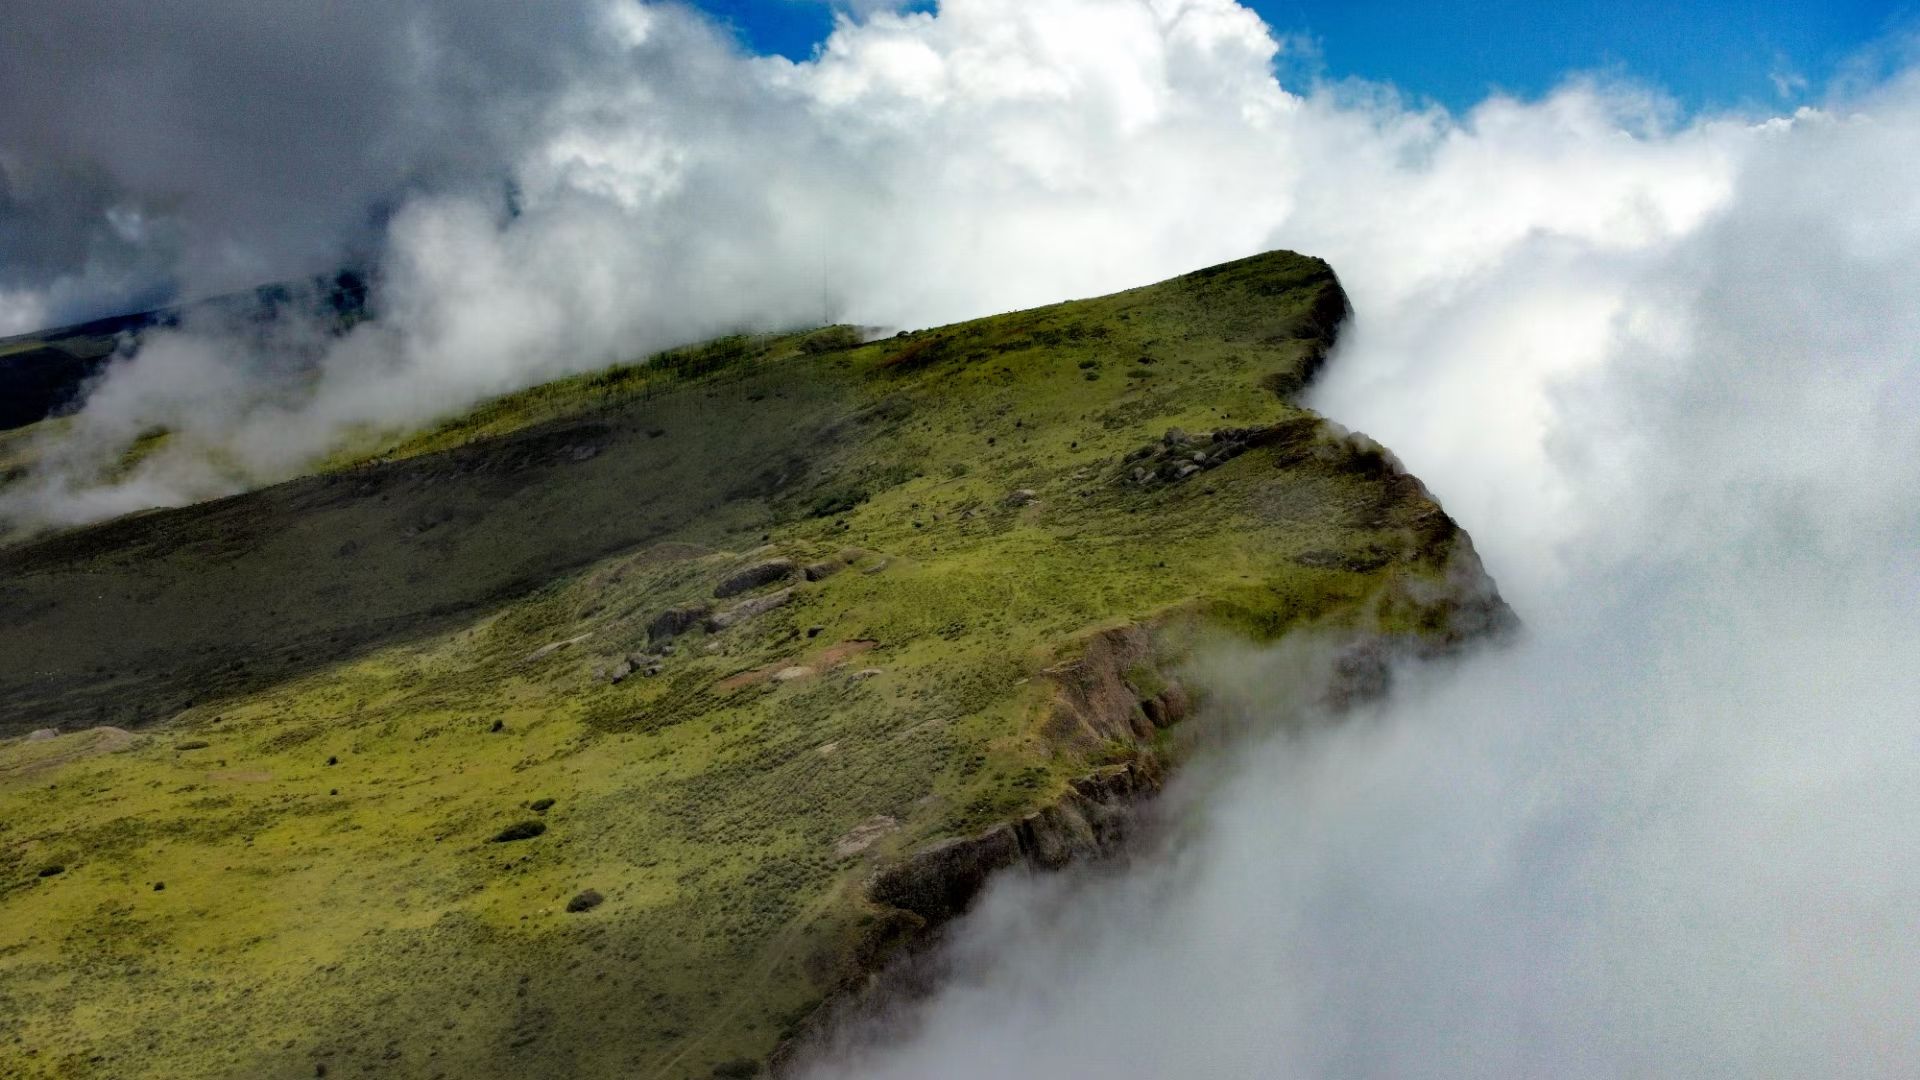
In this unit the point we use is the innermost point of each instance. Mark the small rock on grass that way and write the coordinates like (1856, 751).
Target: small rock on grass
(519, 830)
(586, 901)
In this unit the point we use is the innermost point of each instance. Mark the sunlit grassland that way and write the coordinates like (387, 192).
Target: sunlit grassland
(331, 895)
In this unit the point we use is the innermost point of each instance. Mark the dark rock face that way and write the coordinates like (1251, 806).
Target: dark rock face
(753, 577)
(587, 900)
(675, 621)
(914, 896)
(1114, 692)
(940, 880)
(1091, 820)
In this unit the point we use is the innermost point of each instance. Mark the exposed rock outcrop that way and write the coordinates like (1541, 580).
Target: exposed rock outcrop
(675, 621)
(752, 577)
(1178, 456)
(747, 609)
(1116, 693)
(938, 881)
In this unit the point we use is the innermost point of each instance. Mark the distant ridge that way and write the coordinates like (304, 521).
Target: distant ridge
(44, 372)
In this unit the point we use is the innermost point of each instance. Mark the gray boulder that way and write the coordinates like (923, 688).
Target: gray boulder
(747, 609)
(676, 621)
(754, 577)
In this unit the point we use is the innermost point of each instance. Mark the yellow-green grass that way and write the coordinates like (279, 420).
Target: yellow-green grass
(15, 346)
(346, 647)
(18, 446)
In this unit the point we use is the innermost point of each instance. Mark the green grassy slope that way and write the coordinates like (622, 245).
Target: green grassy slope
(341, 689)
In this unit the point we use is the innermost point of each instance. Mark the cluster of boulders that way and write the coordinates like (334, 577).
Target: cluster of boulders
(648, 664)
(1177, 455)
(703, 614)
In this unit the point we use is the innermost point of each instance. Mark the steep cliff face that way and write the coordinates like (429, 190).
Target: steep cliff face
(651, 709)
(1122, 696)
(1123, 690)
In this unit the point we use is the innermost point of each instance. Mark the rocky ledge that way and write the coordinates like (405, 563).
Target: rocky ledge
(1121, 690)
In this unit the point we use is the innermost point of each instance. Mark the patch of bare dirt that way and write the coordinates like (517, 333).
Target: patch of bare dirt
(831, 658)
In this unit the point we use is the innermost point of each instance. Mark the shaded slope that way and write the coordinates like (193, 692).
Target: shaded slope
(997, 542)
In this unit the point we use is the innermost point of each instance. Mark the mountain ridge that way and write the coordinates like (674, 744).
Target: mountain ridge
(639, 689)
(45, 372)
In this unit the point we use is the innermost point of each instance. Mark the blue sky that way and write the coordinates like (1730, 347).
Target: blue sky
(1707, 55)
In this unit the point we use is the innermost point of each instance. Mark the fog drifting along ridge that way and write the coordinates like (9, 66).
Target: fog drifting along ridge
(1669, 832)
(631, 181)
(1667, 375)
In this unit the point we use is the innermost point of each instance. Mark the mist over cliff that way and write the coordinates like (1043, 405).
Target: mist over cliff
(1664, 831)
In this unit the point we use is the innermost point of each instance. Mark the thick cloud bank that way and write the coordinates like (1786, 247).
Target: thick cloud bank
(1672, 383)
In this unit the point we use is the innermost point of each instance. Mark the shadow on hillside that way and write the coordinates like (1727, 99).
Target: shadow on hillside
(129, 622)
